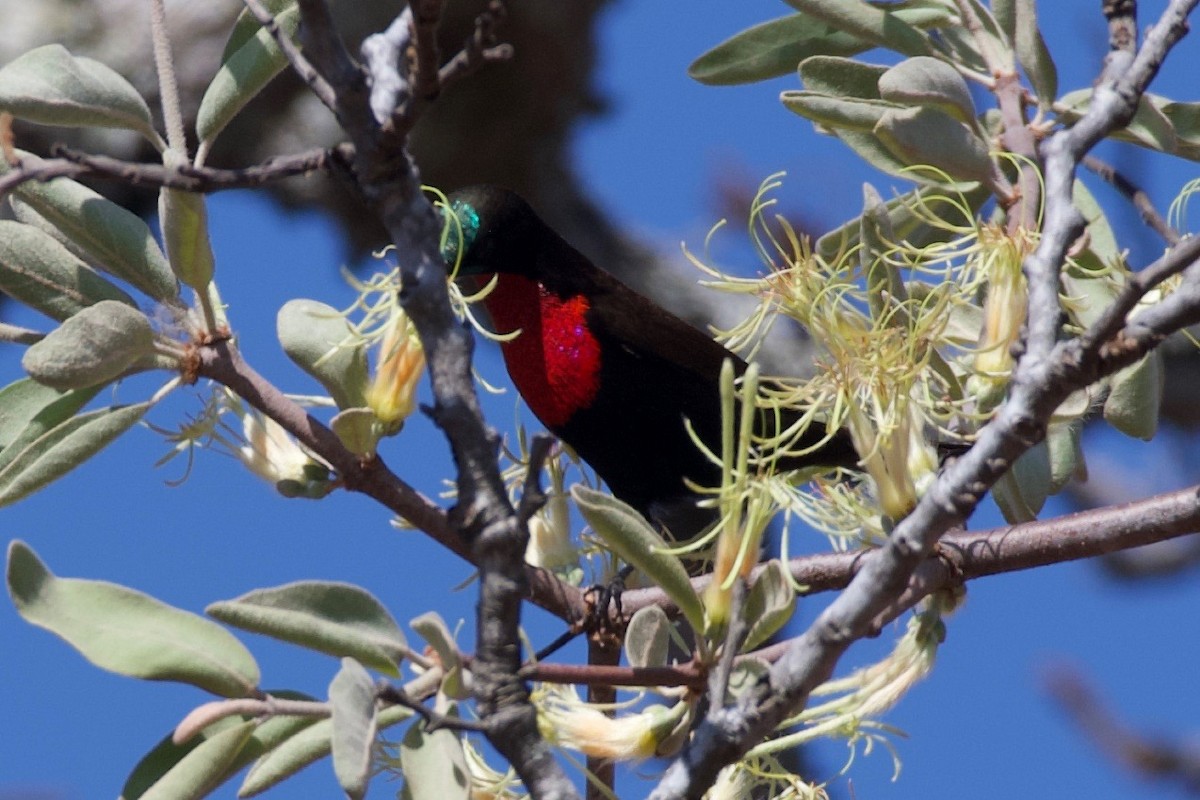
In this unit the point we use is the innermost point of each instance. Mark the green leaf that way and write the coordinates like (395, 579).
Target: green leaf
(927, 81)
(20, 403)
(334, 618)
(184, 220)
(647, 638)
(96, 346)
(128, 632)
(841, 77)
(204, 768)
(113, 238)
(62, 448)
(632, 538)
(433, 629)
(1066, 454)
(245, 27)
(268, 734)
(358, 429)
(925, 136)
(880, 27)
(434, 765)
(769, 605)
(298, 751)
(319, 340)
(50, 86)
(38, 271)
(1022, 491)
(838, 113)
(1135, 397)
(774, 48)
(1033, 54)
(242, 75)
(1150, 127)
(352, 698)
(885, 285)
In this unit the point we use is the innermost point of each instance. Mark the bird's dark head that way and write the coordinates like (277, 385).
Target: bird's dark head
(494, 229)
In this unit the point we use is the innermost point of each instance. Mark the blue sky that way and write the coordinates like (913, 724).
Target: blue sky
(979, 727)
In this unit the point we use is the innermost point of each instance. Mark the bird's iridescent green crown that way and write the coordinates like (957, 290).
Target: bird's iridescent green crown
(461, 232)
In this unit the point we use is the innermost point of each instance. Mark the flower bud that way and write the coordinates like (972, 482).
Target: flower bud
(392, 394)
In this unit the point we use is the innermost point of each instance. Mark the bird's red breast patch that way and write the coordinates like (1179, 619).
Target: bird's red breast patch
(555, 362)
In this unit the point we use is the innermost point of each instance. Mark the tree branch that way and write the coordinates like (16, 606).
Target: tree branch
(1044, 376)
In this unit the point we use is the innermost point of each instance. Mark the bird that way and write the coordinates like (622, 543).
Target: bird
(609, 372)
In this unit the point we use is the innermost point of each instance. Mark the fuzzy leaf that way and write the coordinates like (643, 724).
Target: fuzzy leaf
(627, 533)
(41, 273)
(317, 338)
(841, 77)
(838, 113)
(647, 638)
(96, 346)
(245, 27)
(128, 632)
(267, 734)
(880, 27)
(1033, 54)
(184, 220)
(432, 628)
(334, 618)
(110, 236)
(434, 765)
(928, 81)
(62, 448)
(242, 75)
(774, 48)
(20, 403)
(1066, 454)
(769, 605)
(352, 698)
(204, 768)
(925, 136)
(50, 86)
(1022, 491)
(1135, 397)
(301, 749)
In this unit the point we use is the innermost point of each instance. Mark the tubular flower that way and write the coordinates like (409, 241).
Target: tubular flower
(569, 722)
(1004, 310)
(392, 395)
(274, 455)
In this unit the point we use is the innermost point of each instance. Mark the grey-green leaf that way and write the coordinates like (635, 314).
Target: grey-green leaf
(204, 768)
(433, 629)
(352, 698)
(27, 413)
(62, 448)
(769, 605)
(128, 632)
(242, 75)
(246, 25)
(647, 638)
(184, 220)
(1022, 491)
(1018, 18)
(267, 735)
(838, 113)
(41, 273)
(879, 26)
(925, 136)
(1135, 397)
(434, 765)
(298, 751)
(1066, 453)
(632, 538)
(841, 77)
(928, 81)
(319, 340)
(115, 239)
(335, 618)
(50, 86)
(95, 346)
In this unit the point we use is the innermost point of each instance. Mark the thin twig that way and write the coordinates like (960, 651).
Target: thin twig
(1132, 192)
(299, 63)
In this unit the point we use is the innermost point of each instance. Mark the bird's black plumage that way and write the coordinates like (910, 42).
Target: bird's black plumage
(655, 370)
